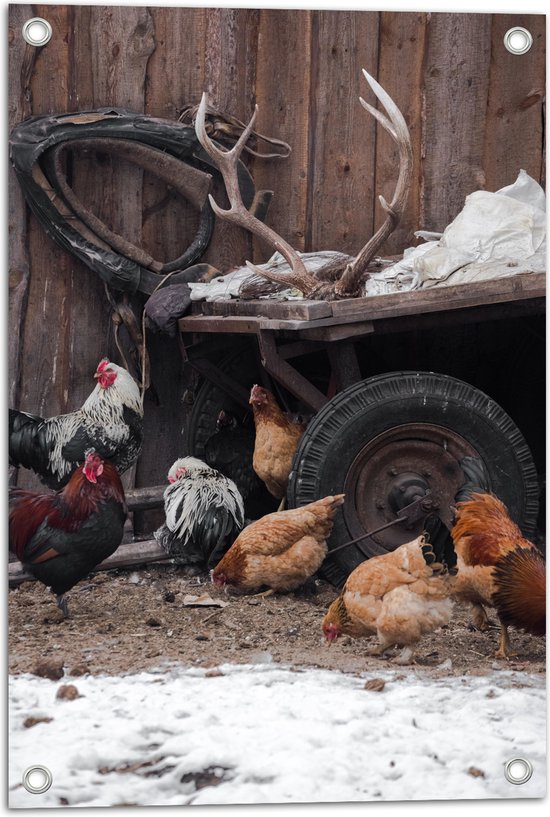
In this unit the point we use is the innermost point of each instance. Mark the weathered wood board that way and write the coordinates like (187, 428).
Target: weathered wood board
(300, 315)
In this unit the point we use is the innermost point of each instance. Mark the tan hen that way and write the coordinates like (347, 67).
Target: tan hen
(398, 596)
(281, 550)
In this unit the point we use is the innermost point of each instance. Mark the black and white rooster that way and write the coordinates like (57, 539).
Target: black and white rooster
(204, 514)
(110, 421)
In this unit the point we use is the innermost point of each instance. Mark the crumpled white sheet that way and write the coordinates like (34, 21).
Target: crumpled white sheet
(494, 235)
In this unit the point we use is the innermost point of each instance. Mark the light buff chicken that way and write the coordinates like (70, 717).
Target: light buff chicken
(280, 550)
(398, 596)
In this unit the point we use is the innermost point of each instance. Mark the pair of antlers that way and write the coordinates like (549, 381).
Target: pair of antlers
(349, 282)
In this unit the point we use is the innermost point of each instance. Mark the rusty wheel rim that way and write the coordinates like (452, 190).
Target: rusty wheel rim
(396, 467)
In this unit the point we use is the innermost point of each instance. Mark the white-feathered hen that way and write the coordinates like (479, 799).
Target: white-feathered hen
(204, 513)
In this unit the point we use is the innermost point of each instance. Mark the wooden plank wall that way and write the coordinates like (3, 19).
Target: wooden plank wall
(474, 112)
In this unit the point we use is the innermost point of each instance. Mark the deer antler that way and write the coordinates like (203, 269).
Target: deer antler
(226, 162)
(398, 130)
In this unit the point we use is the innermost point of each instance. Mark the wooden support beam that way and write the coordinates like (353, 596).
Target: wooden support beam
(143, 499)
(344, 364)
(227, 384)
(287, 375)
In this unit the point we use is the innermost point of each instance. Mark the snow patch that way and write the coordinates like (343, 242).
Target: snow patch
(266, 733)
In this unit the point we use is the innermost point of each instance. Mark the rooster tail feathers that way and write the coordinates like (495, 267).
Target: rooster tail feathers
(20, 419)
(439, 550)
(25, 442)
(520, 594)
(476, 479)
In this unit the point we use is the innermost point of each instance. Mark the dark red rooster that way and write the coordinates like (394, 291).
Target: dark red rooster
(60, 537)
(110, 421)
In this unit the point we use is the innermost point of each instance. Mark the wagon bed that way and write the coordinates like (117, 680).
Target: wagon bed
(287, 329)
(527, 289)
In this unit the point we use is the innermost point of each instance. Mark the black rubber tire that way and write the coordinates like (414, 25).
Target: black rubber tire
(371, 407)
(241, 365)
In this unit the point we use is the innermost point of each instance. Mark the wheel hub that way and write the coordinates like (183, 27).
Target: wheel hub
(395, 468)
(405, 488)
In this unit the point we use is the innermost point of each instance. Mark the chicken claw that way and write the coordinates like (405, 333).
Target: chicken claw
(504, 650)
(406, 656)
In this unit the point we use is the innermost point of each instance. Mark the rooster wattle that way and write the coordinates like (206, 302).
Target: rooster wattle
(60, 537)
(110, 421)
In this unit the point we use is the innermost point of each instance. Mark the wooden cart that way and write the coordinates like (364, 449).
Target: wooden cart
(387, 437)
(397, 435)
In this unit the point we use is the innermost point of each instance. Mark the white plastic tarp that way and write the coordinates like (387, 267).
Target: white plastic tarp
(495, 235)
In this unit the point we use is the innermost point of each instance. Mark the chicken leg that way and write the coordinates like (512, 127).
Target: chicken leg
(62, 604)
(504, 646)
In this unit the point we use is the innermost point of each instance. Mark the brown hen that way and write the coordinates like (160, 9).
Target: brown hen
(281, 550)
(277, 437)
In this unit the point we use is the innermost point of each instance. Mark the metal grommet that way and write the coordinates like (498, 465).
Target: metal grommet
(37, 779)
(37, 31)
(518, 771)
(518, 40)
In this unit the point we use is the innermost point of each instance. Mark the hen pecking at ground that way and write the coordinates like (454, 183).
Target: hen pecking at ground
(281, 550)
(398, 596)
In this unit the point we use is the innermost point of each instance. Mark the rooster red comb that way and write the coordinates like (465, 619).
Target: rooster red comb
(93, 466)
(106, 373)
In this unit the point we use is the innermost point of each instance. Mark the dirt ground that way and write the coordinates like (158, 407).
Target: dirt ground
(127, 621)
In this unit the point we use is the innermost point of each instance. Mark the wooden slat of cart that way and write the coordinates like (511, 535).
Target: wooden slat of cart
(276, 316)
(301, 310)
(442, 299)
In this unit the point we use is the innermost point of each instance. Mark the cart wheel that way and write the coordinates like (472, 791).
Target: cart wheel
(242, 367)
(389, 439)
